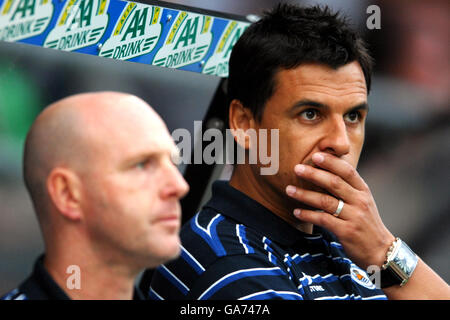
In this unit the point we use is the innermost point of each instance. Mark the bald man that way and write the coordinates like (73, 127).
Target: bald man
(99, 170)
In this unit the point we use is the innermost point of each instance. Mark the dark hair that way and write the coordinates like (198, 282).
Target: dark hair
(284, 38)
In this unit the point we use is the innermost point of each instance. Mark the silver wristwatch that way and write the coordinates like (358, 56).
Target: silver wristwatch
(399, 265)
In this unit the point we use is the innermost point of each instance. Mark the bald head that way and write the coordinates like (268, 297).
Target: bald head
(72, 133)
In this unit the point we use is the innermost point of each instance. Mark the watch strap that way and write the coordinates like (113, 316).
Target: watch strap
(389, 278)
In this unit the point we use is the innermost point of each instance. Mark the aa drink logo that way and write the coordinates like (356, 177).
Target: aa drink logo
(20, 19)
(217, 64)
(81, 23)
(187, 42)
(135, 33)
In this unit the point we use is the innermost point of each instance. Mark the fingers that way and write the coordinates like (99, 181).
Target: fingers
(326, 180)
(341, 168)
(321, 219)
(315, 199)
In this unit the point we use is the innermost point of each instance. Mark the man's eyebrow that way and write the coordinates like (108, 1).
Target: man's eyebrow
(315, 104)
(139, 156)
(307, 102)
(361, 106)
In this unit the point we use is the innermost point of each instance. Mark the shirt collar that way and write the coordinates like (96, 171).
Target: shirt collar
(47, 286)
(138, 295)
(240, 207)
(41, 285)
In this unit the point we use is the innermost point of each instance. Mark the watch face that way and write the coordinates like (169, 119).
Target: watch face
(406, 260)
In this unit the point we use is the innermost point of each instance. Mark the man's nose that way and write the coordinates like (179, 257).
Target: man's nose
(336, 140)
(174, 185)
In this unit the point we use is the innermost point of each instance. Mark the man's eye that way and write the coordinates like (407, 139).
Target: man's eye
(143, 164)
(352, 117)
(309, 114)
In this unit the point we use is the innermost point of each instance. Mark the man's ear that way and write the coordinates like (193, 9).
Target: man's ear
(64, 188)
(242, 124)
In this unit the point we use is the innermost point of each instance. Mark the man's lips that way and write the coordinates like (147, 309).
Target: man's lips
(169, 218)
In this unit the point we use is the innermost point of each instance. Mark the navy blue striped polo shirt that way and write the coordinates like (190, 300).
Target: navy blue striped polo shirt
(237, 249)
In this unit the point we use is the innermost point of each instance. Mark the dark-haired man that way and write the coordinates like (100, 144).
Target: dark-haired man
(98, 167)
(304, 233)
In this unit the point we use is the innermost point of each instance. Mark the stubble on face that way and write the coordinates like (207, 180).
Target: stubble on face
(336, 90)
